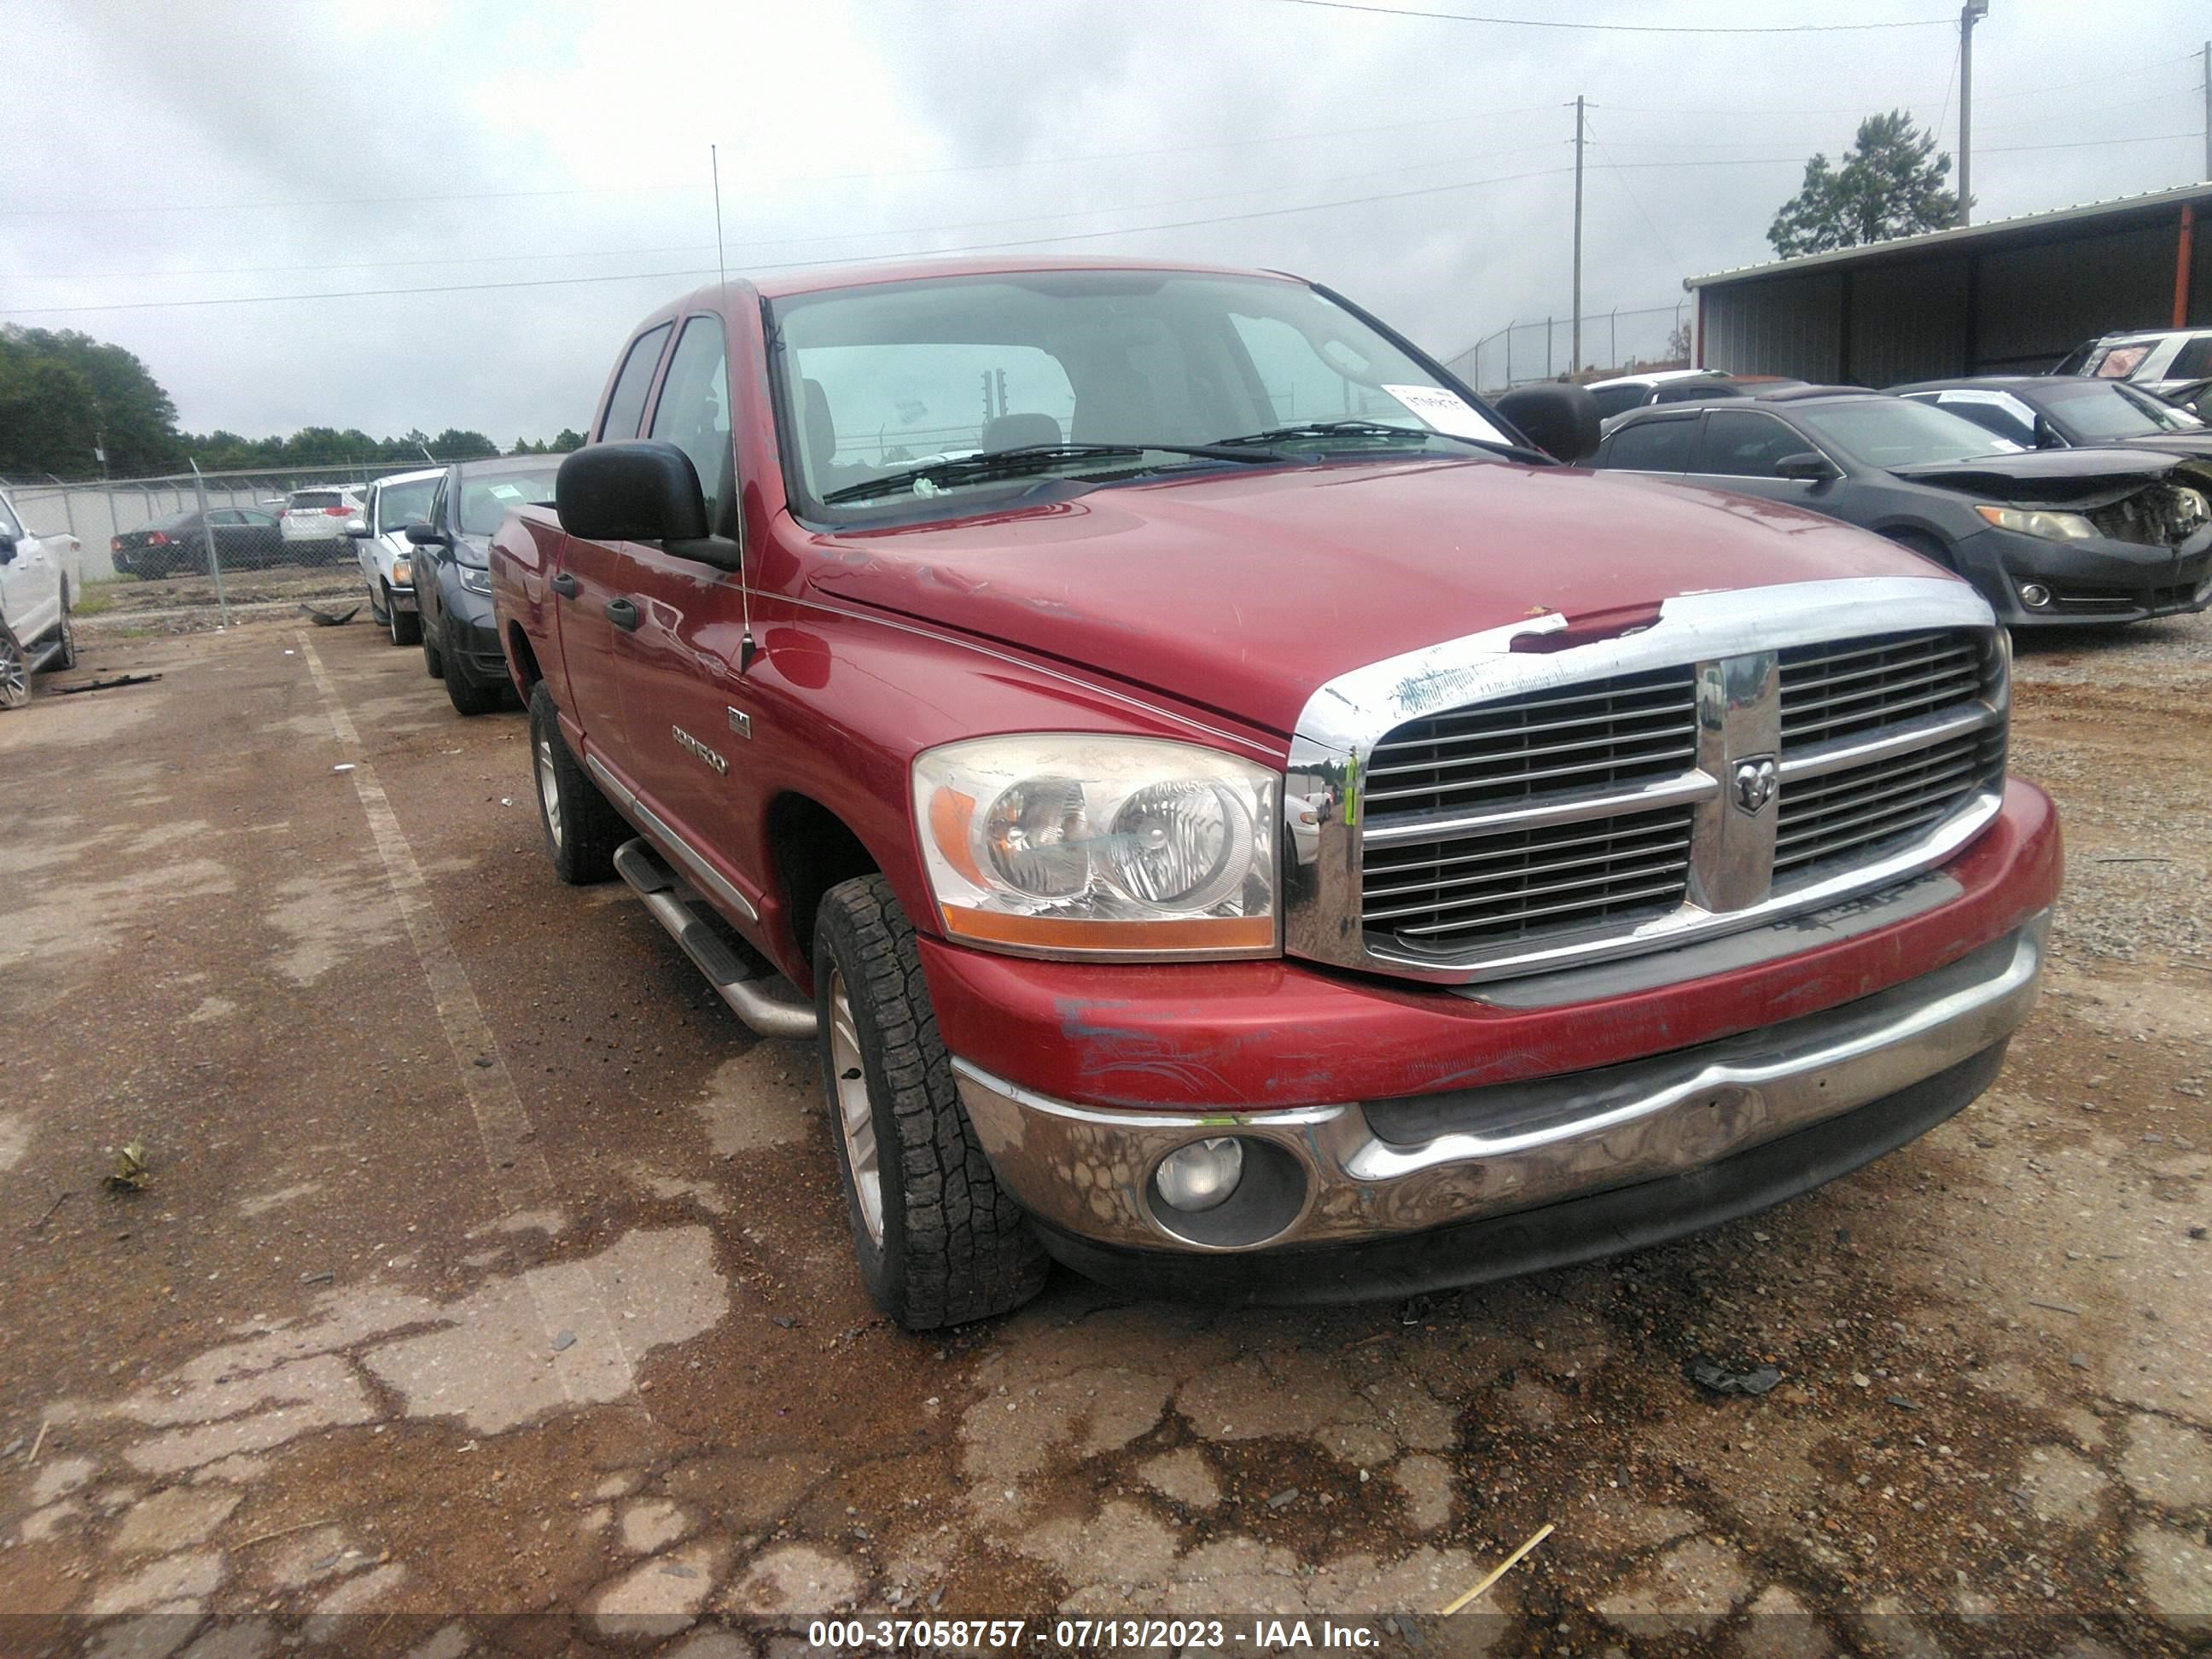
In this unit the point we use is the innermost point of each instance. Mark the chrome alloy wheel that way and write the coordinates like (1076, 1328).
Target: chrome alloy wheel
(856, 1119)
(549, 788)
(14, 676)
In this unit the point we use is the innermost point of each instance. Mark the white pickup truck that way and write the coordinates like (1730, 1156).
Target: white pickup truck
(39, 582)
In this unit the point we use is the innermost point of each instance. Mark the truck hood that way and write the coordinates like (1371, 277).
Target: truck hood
(2045, 477)
(1244, 592)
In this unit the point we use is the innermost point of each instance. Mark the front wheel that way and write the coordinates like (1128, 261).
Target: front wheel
(466, 695)
(14, 670)
(65, 641)
(939, 1241)
(406, 626)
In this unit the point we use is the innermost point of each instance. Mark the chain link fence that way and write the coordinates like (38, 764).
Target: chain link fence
(1614, 342)
(152, 529)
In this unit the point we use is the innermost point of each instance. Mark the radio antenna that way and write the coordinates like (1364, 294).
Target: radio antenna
(722, 267)
(745, 646)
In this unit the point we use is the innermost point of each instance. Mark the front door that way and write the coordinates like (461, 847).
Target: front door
(683, 709)
(1739, 449)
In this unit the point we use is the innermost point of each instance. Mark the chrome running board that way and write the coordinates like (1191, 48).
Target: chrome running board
(750, 993)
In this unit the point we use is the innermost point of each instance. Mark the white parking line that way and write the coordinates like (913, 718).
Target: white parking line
(520, 1174)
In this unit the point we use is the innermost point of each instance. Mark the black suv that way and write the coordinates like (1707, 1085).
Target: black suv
(2049, 536)
(452, 583)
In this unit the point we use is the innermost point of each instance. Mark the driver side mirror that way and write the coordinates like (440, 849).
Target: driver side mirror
(1561, 420)
(1806, 466)
(356, 528)
(638, 489)
(2046, 435)
(427, 535)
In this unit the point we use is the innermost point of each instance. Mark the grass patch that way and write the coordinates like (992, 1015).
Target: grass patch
(93, 605)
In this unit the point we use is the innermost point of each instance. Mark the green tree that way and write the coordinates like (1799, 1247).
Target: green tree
(455, 445)
(1890, 185)
(61, 394)
(569, 439)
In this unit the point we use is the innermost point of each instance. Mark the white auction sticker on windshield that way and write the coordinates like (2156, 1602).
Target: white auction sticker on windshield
(1447, 412)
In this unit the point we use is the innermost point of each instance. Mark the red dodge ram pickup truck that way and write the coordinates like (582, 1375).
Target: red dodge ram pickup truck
(1233, 812)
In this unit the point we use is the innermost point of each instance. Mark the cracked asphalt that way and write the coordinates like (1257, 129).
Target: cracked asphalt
(491, 1280)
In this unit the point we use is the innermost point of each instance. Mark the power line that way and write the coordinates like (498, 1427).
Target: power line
(1024, 242)
(1617, 28)
(810, 178)
(795, 264)
(786, 241)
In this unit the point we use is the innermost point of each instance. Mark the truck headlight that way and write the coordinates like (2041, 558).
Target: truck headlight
(474, 577)
(403, 573)
(1069, 844)
(2034, 521)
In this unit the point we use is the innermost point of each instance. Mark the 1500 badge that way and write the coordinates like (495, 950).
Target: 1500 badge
(685, 741)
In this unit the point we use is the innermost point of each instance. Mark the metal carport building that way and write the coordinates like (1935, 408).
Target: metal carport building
(2010, 297)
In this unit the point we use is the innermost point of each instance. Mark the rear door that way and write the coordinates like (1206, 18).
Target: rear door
(682, 707)
(1739, 449)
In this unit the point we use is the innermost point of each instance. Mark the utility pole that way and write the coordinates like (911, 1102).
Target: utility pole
(2207, 109)
(1575, 335)
(1969, 15)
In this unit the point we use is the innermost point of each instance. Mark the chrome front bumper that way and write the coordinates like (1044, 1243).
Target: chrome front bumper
(1367, 1170)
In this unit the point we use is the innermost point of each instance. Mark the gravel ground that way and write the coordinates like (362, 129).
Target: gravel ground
(491, 1284)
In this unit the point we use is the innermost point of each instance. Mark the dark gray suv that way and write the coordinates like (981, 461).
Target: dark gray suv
(2050, 536)
(452, 583)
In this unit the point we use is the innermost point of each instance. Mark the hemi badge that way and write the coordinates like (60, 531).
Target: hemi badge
(741, 723)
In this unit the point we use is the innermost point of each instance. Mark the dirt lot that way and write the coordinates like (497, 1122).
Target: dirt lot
(488, 1268)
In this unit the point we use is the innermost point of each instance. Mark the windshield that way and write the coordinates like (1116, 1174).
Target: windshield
(1893, 432)
(879, 381)
(400, 504)
(485, 499)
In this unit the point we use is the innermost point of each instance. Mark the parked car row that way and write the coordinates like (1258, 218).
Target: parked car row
(421, 538)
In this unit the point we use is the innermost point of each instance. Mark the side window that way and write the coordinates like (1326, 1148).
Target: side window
(694, 412)
(2193, 361)
(627, 402)
(1614, 400)
(1653, 446)
(437, 513)
(369, 508)
(2003, 419)
(1740, 443)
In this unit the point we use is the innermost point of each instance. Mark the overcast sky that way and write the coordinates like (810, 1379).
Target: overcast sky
(201, 151)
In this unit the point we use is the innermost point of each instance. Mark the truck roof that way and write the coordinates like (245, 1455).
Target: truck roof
(777, 285)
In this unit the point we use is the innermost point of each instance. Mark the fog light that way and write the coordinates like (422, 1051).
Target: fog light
(1202, 1175)
(2034, 595)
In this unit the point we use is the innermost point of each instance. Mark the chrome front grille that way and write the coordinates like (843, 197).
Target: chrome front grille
(1587, 736)
(1482, 888)
(1831, 691)
(1743, 759)
(1856, 691)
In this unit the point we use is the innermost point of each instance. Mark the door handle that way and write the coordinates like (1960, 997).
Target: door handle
(623, 615)
(565, 585)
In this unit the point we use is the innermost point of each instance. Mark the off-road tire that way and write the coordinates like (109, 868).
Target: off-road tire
(14, 671)
(404, 627)
(956, 1247)
(434, 661)
(582, 848)
(64, 640)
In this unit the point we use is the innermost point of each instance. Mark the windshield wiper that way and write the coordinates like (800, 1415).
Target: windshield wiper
(1032, 458)
(1305, 431)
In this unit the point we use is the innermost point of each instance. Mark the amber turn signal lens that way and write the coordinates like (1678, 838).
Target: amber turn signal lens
(1058, 933)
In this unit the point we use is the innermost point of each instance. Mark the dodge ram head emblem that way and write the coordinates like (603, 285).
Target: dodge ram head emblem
(1756, 781)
